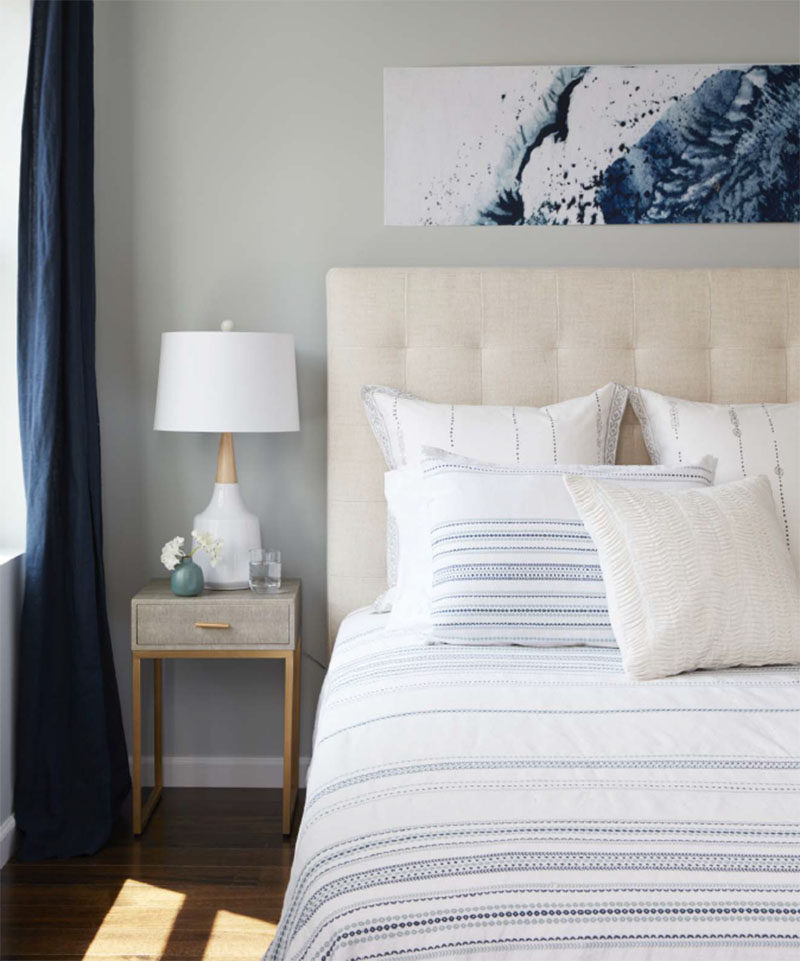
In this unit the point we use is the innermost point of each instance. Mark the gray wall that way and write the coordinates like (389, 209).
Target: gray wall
(239, 156)
(11, 582)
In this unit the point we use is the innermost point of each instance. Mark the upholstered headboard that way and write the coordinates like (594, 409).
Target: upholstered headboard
(533, 336)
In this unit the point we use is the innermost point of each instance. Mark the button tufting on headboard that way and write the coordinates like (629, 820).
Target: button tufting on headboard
(533, 336)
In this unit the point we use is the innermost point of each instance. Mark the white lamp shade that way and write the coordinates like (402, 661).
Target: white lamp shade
(227, 381)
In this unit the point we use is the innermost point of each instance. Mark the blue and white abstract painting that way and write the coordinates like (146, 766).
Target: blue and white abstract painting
(592, 145)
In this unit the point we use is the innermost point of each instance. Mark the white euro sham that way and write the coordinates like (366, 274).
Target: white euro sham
(746, 439)
(583, 430)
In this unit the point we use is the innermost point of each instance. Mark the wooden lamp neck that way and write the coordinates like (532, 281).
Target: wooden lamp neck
(226, 461)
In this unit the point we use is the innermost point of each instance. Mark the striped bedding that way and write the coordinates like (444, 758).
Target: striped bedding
(471, 802)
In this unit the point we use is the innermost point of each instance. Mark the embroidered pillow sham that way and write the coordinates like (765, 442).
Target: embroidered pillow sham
(583, 430)
(511, 561)
(694, 579)
(746, 439)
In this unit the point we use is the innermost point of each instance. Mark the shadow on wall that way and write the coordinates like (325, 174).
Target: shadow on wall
(123, 380)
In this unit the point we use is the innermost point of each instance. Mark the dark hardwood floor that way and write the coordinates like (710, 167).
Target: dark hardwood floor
(205, 882)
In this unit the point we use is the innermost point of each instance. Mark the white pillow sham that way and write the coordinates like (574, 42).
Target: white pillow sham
(583, 430)
(407, 515)
(509, 560)
(694, 579)
(746, 439)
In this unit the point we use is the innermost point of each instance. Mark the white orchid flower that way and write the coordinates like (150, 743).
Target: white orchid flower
(206, 541)
(172, 552)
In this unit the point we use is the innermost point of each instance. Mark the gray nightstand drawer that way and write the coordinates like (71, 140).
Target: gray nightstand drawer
(181, 625)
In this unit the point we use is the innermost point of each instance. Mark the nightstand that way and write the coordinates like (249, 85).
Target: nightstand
(235, 624)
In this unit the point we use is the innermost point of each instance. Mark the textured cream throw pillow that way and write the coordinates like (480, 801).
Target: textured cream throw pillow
(694, 579)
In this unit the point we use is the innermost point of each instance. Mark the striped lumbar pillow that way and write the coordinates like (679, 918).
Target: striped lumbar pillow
(512, 562)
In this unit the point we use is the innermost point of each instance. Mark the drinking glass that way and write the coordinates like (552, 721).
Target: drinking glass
(265, 571)
(273, 559)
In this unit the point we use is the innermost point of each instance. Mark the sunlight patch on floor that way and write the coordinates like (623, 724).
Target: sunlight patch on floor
(122, 934)
(236, 937)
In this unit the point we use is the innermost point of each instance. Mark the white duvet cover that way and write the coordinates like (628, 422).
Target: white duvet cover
(535, 803)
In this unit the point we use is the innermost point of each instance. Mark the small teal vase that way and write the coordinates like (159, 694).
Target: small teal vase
(187, 579)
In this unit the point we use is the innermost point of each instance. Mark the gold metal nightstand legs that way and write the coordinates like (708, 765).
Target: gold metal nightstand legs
(291, 726)
(291, 735)
(142, 816)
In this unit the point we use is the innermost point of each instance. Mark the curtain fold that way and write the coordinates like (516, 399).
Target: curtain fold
(72, 765)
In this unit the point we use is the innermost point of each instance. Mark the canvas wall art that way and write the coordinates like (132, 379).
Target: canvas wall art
(592, 145)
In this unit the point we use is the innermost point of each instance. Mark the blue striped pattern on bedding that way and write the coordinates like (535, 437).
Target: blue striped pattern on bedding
(512, 560)
(510, 802)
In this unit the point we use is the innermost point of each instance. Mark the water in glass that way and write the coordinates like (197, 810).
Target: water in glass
(273, 570)
(265, 571)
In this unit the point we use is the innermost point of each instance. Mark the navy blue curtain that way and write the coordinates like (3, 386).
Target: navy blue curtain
(72, 766)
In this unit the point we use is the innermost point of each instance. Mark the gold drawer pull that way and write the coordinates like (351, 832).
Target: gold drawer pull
(210, 624)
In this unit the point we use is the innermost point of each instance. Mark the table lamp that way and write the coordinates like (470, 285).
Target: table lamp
(227, 382)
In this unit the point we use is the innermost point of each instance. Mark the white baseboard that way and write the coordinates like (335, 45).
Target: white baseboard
(192, 772)
(7, 837)
(221, 771)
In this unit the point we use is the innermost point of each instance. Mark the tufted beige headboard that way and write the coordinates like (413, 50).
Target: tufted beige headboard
(533, 336)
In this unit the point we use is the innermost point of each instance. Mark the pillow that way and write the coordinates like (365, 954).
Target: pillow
(583, 430)
(410, 546)
(511, 560)
(746, 439)
(694, 579)
(579, 431)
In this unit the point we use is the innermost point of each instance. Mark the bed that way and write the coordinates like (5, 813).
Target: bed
(483, 803)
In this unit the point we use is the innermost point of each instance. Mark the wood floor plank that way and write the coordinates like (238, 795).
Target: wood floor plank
(206, 881)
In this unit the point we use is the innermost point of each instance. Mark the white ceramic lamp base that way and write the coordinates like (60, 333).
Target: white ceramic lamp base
(227, 517)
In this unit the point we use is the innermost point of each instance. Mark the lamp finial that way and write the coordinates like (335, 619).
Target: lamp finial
(226, 325)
